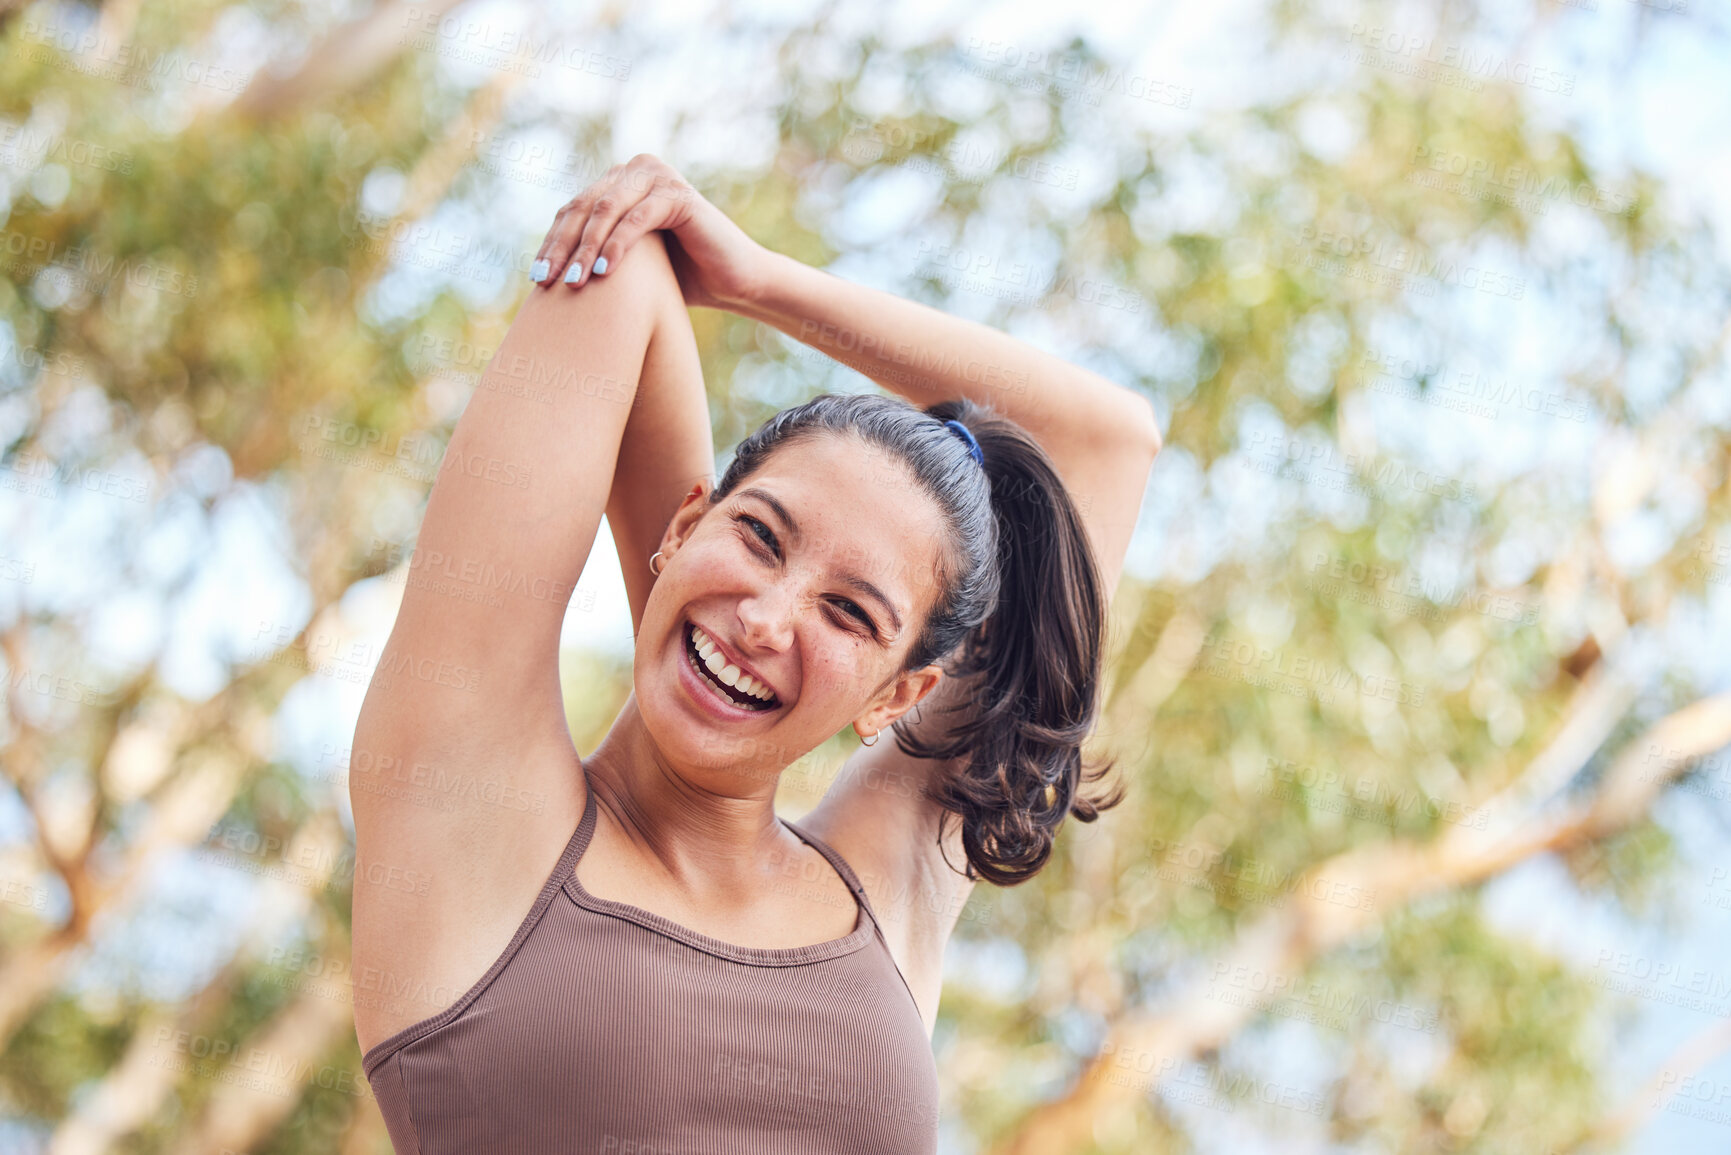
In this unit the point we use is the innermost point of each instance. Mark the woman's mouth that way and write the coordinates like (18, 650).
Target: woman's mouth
(744, 694)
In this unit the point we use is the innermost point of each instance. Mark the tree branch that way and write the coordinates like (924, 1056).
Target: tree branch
(346, 59)
(1141, 1050)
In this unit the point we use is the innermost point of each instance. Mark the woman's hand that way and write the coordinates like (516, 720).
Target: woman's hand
(718, 266)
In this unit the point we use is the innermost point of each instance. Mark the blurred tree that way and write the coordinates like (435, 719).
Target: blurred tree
(250, 288)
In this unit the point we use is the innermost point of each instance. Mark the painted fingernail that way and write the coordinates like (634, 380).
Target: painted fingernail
(574, 272)
(539, 270)
(600, 265)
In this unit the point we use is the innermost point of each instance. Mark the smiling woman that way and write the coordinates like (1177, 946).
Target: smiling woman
(703, 974)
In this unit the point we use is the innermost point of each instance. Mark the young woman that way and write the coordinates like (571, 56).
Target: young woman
(629, 951)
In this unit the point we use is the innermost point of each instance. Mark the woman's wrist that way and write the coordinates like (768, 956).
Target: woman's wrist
(763, 272)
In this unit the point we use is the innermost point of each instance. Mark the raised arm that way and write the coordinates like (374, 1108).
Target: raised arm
(463, 780)
(1101, 436)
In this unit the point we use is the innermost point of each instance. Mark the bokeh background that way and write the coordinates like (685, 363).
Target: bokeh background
(1421, 672)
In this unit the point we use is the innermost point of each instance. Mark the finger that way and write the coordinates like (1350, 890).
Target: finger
(562, 238)
(539, 267)
(629, 196)
(657, 210)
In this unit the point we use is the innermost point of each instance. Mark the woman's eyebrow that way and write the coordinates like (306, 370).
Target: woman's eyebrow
(853, 580)
(776, 507)
(869, 590)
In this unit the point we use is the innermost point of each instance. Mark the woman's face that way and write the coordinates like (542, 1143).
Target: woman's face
(820, 599)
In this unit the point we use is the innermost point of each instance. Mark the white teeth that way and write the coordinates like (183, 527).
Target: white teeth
(726, 672)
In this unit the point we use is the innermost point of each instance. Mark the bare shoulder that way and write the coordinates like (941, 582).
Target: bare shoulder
(878, 817)
(460, 830)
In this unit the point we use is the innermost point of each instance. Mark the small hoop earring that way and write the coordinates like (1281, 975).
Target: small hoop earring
(652, 569)
(874, 740)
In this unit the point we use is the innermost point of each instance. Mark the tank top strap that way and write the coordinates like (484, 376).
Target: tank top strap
(841, 868)
(585, 831)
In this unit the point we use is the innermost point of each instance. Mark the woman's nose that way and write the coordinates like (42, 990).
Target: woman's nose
(767, 618)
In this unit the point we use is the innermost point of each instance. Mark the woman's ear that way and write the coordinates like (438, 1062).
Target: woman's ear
(685, 518)
(900, 696)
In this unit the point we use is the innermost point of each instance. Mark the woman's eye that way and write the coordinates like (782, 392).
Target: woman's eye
(855, 612)
(763, 532)
(766, 536)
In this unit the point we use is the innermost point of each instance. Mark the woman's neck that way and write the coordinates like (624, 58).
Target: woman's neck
(694, 828)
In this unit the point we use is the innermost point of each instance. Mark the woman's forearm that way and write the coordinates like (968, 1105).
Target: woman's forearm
(667, 447)
(927, 356)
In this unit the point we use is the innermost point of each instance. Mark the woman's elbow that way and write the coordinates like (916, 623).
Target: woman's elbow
(1143, 427)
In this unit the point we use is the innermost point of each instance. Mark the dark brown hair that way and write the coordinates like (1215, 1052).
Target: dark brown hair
(1020, 603)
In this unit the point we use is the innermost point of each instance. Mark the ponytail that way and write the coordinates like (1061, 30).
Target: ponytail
(1036, 663)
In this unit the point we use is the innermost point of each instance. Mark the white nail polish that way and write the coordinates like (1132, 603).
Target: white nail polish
(600, 265)
(539, 270)
(574, 272)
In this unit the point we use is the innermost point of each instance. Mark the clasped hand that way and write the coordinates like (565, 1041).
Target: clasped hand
(718, 266)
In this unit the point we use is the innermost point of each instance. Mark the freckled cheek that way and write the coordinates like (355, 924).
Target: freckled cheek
(839, 671)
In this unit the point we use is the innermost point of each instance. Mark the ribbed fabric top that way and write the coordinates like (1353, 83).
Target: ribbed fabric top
(607, 1028)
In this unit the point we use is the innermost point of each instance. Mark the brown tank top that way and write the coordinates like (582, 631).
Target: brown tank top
(606, 1028)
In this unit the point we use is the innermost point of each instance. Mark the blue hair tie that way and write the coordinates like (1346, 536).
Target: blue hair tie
(961, 431)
